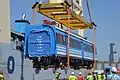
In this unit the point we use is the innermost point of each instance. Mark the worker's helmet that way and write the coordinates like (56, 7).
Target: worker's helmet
(1, 72)
(107, 69)
(72, 73)
(80, 73)
(114, 69)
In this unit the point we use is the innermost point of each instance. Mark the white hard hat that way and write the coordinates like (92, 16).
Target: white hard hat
(80, 73)
(114, 69)
(72, 73)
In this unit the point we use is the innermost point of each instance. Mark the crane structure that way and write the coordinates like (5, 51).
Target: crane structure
(59, 13)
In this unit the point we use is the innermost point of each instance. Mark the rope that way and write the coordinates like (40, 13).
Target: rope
(94, 33)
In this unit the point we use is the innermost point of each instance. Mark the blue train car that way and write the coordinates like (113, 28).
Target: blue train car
(47, 45)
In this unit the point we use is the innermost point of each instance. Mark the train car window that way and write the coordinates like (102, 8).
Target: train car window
(92, 49)
(88, 48)
(60, 39)
(75, 44)
(64, 40)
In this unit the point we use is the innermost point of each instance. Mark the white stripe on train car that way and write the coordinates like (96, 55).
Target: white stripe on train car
(88, 55)
(62, 53)
(75, 53)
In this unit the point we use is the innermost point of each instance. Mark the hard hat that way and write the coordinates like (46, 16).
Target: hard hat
(1, 72)
(107, 67)
(72, 73)
(114, 69)
(80, 73)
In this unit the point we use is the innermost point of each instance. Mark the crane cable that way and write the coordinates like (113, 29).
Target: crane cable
(88, 10)
(33, 16)
(94, 33)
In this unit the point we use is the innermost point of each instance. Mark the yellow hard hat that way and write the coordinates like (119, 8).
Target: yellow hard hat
(1, 72)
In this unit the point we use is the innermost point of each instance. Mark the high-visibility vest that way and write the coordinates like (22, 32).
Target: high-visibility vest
(1, 77)
(103, 76)
(72, 77)
(99, 77)
(57, 75)
(89, 77)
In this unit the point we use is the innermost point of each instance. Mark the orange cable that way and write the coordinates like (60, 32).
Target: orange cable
(94, 34)
(68, 57)
(94, 47)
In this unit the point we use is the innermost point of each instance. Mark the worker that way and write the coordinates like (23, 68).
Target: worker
(62, 65)
(103, 76)
(113, 75)
(1, 76)
(107, 70)
(80, 77)
(72, 77)
(95, 75)
(57, 75)
(99, 76)
(90, 76)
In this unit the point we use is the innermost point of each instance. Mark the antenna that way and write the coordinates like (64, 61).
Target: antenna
(23, 16)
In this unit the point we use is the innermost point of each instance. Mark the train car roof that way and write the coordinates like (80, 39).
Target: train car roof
(78, 36)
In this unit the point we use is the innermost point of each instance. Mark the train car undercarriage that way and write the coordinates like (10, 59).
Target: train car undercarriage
(61, 62)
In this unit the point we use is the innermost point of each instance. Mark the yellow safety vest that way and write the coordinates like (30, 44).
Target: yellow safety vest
(71, 77)
(103, 77)
(89, 77)
(99, 77)
(1, 77)
(57, 76)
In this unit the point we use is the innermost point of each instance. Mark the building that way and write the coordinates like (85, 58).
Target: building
(113, 54)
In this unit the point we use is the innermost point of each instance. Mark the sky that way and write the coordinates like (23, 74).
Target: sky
(105, 13)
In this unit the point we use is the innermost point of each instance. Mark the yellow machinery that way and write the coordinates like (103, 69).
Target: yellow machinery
(59, 13)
